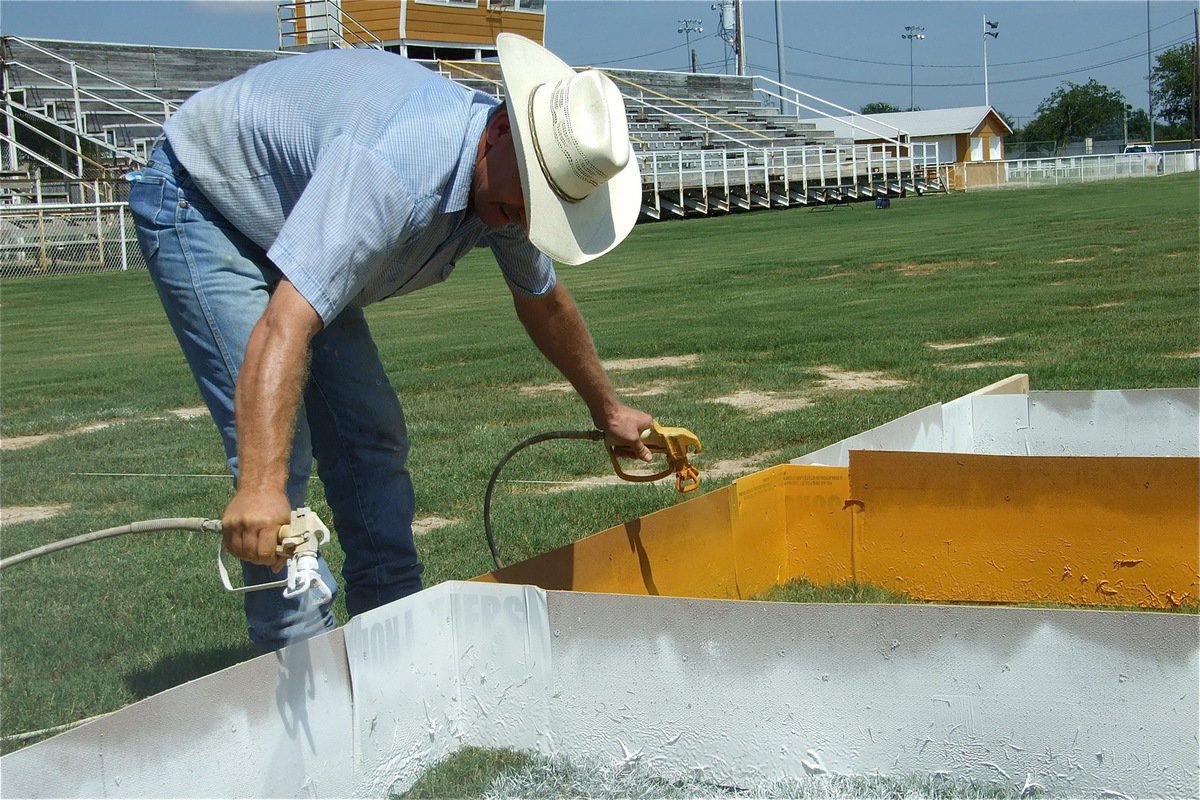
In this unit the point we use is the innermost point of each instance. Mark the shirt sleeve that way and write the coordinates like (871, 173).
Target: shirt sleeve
(354, 211)
(529, 271)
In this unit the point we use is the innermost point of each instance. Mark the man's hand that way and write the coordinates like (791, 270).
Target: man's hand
(250, 526)
(623, 430)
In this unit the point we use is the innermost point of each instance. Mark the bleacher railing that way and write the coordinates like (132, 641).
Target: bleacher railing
(321, 23)
(85, 101)
(684, 182)
(790, 96)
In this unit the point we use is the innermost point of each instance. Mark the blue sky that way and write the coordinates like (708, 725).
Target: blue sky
(848, 51)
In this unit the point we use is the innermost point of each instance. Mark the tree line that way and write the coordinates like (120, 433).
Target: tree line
(1074, 111)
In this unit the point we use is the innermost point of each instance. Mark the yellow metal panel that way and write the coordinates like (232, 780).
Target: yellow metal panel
(818, 523)
(945, 526)
(758, 513)
(683, 551)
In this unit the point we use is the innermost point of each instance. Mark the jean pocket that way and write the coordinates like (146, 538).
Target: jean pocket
(146, 204)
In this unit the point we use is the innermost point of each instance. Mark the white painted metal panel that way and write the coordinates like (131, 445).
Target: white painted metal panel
(1143, 422)
(457, 664)
(276, 726)
(919, 430)
(1080, 702)
(1131, 422)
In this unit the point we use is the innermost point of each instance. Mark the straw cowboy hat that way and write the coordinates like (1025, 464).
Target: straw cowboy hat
(582, 188)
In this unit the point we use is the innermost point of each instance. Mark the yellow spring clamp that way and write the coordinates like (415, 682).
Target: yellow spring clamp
(672, 442)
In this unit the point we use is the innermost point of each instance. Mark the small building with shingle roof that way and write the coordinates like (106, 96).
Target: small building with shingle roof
(963, 135)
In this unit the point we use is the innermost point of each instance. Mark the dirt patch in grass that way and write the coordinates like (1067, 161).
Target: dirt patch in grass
(977, 342)
(913, 269)
(725, 468)
(1193, 354)
(848, 380)
(22, 442)
(982, 364)
(1112, 304)
(629, 364)
(429, 524)
(656, 387)
(763, 403)
(10, 515)
(193, 412)
(651, 389)
(1083, 260)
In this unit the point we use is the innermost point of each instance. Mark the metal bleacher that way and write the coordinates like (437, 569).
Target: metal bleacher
(706, 143)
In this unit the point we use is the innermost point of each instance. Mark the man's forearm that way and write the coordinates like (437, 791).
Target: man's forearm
(265, 404)
(268, 395)
(556, 327)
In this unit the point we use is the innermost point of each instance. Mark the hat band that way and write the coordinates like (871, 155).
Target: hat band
(537, 149)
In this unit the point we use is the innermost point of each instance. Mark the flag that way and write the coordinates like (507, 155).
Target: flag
(991, 28)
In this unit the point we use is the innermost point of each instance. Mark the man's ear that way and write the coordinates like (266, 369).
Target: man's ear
(498, 126)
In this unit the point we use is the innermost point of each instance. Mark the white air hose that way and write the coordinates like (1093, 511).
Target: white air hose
(199, 524)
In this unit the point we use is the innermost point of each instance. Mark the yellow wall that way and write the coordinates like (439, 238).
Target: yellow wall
(937, 526)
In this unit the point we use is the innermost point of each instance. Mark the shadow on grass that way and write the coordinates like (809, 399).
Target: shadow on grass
(179, 668)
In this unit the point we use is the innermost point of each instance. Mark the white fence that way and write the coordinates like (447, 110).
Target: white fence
(65, 239)
(1029, 172)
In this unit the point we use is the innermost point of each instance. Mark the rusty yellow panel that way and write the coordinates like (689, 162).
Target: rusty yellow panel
(818, 523)
(789, 522)
(946, 526)
(683, 551)
(764, 529)
(758, 516)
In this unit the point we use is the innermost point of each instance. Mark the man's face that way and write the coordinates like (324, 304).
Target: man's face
(496, 195)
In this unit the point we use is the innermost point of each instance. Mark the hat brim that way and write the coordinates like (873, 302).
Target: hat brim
(568, 232)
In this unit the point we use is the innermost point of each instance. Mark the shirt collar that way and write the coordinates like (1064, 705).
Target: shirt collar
(459, 191)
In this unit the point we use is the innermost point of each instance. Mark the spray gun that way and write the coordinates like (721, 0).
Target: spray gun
(674, 443)
(298, 543)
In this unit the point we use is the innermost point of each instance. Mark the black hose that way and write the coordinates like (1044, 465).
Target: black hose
(146, 526)
(591, 436)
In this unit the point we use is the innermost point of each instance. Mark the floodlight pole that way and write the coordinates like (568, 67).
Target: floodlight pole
(779, 55)
(687, 27)
(992, 29)
(741, 37)
(1149, 76)
(911, 32)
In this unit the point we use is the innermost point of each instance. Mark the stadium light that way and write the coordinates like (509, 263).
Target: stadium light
(687, 27)
(990, 28)
(911, 32)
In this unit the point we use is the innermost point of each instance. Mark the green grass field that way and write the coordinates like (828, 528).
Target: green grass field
(1083, 287)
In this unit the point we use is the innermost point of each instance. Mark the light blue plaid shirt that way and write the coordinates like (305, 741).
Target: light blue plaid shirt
(352, 169)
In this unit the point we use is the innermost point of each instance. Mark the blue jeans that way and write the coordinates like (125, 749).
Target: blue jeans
(215, 284)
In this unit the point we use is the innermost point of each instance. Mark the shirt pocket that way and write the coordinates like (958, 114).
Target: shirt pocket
(437, 268)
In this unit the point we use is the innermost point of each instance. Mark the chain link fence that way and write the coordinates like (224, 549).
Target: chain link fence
(67, 239)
